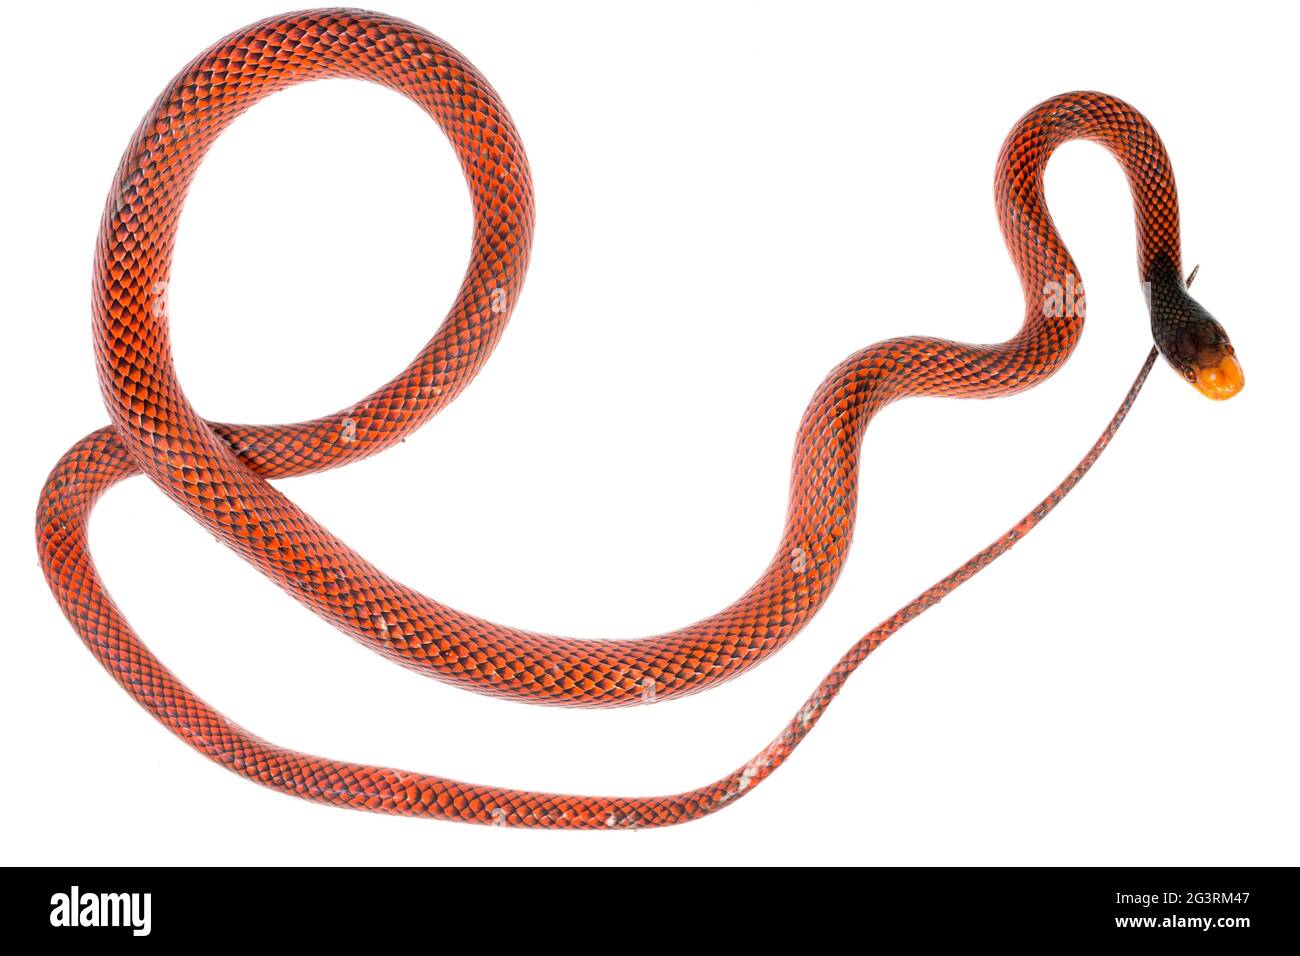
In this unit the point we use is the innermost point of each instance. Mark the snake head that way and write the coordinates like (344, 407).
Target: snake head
(1192, 340)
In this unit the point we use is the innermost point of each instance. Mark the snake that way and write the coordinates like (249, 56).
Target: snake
(220, 473)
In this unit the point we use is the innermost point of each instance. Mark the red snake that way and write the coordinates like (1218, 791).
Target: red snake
(219, 472)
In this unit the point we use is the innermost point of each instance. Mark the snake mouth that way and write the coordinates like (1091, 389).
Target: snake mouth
(1221, 380)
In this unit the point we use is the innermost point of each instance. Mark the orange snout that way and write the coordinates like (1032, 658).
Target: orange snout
(1221, 381)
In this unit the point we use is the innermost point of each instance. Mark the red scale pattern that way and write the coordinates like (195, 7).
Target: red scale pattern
(218, 472)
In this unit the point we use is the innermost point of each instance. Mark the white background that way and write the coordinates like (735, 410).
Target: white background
(731, 198)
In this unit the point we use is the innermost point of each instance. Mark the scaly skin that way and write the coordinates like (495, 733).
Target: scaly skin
(218, 472)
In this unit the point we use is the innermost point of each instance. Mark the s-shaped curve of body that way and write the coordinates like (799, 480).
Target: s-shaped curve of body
(219, 472)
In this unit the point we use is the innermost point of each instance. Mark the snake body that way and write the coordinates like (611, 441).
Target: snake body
(219, 473)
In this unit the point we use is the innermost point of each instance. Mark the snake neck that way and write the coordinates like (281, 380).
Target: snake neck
(1041, 258)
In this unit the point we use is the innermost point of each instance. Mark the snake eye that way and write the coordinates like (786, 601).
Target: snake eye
(1189, 373)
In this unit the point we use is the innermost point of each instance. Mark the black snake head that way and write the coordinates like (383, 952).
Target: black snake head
(1192, 340)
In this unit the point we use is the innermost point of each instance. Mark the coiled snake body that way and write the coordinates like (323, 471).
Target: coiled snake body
(218, 472)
